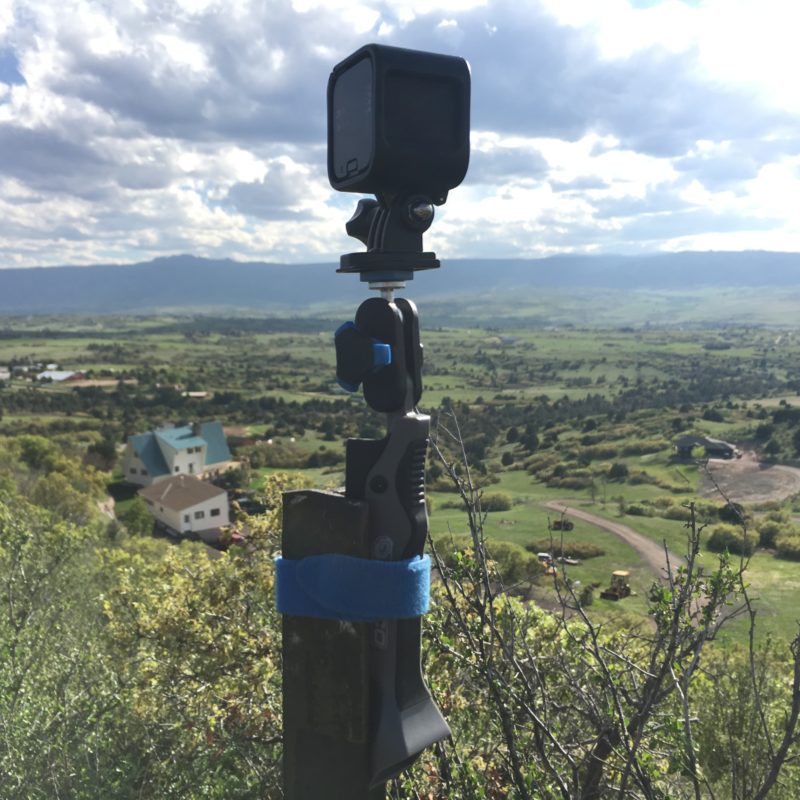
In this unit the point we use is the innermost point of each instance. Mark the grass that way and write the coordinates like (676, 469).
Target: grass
(774, 583)
(514, 364)
(771, 582)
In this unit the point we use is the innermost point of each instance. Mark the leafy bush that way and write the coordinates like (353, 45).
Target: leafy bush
(732, 513)
(769, 531)
(730, 538)
(644, 446)
(663, 501)
(639, 510)
(496, 501)
(676, 512)
(599, 451)
(557, 548)
(706, 510)
(512, 562)
(541, 462)
(618, 472)
(586, 597)
(787, 546)
(137, 518)
(325, 458)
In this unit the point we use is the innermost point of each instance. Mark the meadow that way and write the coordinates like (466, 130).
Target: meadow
(586, 414)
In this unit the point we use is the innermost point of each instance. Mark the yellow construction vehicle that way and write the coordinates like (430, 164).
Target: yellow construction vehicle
(619, 586)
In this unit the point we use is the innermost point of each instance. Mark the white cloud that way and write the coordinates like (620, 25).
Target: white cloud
(145, 128)
(747, 42)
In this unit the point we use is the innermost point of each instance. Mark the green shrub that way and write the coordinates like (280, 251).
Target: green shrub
(511, 561)
(730, 538)
(644, 446)
(496, 501)
(676, 512)
(137, 518)
(639, 510)
(557, 548)
(595, 452)
(458, 504)
(569, 483)
(732, 513)
(663, 501)
(769, 531)
(542, 462)
(618, 471)
(706, 510)
(787, 546)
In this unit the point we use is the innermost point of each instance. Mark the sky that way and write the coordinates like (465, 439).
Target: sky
(131, 129)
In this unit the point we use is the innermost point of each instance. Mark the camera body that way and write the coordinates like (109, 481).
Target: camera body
(398, 122)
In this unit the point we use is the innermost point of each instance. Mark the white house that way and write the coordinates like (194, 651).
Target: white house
(186, 504)
(5, 374)
(199, 449)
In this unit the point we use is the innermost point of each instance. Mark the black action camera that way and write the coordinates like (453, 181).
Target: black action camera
(398, 122)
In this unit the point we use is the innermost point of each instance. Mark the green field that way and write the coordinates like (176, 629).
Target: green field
(546, 412)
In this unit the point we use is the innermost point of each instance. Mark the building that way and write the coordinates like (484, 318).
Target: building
(185, 505)
(5, 374)
(714, 448)
(198, 449)
(59, 375)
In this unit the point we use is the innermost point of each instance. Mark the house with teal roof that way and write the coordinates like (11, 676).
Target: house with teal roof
(199, 449)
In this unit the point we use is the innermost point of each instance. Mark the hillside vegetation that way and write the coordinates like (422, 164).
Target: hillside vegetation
(134, 667)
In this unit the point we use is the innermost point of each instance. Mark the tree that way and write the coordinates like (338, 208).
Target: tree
(199, 651)
(618, 471)
(558, 706)
(102, 454)
(60, 715)
(137, 518)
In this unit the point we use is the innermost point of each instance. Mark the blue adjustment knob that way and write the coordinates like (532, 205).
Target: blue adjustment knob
(381, 354)
(357, 355)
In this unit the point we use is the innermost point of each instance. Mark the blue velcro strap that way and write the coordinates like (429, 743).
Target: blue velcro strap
(356, 589)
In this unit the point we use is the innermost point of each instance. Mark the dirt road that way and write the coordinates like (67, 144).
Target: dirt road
(649, 551)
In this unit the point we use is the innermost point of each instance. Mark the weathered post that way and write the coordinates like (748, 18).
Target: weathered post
(353, 581)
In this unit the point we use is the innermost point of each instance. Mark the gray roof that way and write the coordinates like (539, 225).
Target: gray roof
(181, 492)
(691, 440)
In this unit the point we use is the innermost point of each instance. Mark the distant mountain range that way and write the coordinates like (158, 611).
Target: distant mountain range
(189, 283)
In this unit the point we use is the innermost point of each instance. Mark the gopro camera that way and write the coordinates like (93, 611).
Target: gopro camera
(398, 122)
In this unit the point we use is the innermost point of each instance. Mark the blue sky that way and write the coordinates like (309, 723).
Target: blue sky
(136, 128)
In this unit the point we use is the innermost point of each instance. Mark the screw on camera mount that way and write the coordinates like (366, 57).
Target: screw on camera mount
(392, 231)
(398, 128)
